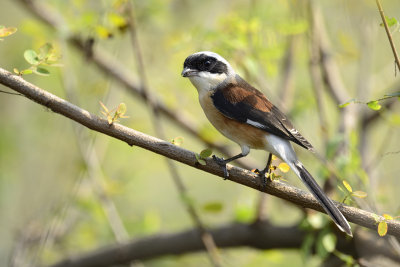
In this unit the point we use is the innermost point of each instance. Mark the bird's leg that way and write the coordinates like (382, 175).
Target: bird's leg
(222, 162)
(264, 171)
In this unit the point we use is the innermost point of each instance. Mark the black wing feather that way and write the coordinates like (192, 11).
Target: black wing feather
(272, 121)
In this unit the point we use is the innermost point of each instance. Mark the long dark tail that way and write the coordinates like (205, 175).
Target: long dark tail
(322, 198)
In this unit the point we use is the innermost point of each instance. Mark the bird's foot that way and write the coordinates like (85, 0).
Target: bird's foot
(221, 162)
(263, 179)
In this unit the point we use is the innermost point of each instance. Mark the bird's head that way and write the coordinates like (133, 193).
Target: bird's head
(206, 70)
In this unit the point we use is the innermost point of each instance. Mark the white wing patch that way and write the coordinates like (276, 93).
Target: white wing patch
(294, 131)
(255, 124)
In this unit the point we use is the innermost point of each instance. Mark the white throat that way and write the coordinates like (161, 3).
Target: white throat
(207, 82)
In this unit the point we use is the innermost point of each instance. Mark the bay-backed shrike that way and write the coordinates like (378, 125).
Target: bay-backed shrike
(245, 115)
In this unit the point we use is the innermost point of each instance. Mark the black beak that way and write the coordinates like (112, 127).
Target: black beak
(189, 72)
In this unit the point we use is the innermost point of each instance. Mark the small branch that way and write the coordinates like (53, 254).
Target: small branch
(389, 35)
(9, 93)
(206, 237)
(135, 138)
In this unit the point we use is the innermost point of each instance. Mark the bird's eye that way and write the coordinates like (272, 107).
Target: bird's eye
(207, 63)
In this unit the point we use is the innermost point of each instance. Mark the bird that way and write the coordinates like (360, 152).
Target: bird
(244, 115)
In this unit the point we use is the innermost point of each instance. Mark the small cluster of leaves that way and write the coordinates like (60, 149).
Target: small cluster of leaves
(349, 193)
(382, 223)
(6, 31)
(325, 244)
(119, 112)
(374, 104)
(115, 22)
(45, 57)
(283, 167)
(205, 153)
(392, 22)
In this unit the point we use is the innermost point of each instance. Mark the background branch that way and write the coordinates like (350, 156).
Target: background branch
(261, 235)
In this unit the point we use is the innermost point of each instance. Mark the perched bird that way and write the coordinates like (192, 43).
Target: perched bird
(246, 116)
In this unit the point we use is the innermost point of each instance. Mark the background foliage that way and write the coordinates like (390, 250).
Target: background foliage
(63, 188)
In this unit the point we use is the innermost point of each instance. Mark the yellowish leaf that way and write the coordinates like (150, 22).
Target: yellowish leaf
(382, 228)
(104, 107)
(110, 120)
(387, 216)
(6, 31)
(178, 141)
(283, 167)
(359, 194)
(347, 185)
(274, 158)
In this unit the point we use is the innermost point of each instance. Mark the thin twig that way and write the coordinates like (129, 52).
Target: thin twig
(207, 239)
(389, 35)
(10, 93)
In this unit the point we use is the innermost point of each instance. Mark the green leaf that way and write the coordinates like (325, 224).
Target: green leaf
(382, 228)
(329, 242)
(121, 109)
(26, 71)
(374, 105)
(199, 159)
(349, 260)
(41, 71)
(391, 21)
(6, 31)
(44, 51)
(214, 207)
(347, 103)
(319, 246)
(306, 246)
(31, 57)
(359, 194)
(205, 153)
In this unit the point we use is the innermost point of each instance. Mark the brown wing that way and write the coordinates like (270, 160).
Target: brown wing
(240, 101)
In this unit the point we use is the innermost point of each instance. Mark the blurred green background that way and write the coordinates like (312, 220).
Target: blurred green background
(53, 172)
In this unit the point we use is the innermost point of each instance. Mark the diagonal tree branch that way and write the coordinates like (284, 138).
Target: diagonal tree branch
(110, 67)
(136, 138)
